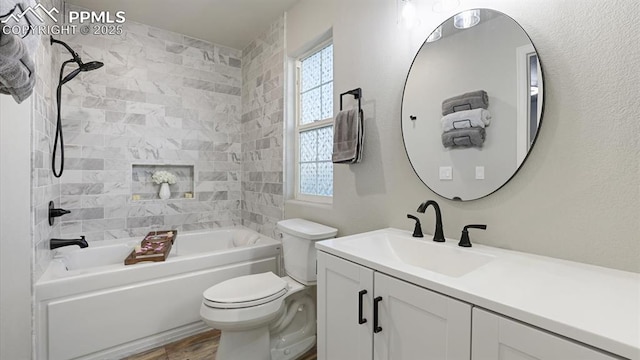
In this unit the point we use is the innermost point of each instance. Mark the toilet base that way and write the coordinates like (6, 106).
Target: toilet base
(248, 344)
(294, 350)
(255, 345)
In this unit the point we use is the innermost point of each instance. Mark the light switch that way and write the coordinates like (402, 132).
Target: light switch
(446, 173)
(479, 172)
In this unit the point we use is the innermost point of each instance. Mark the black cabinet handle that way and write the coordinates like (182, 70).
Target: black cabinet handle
(361, 295)
(376, 327)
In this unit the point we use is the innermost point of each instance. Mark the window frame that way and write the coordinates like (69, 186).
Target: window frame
(318, 124)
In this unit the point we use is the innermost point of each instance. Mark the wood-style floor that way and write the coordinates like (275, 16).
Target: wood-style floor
(202, 346)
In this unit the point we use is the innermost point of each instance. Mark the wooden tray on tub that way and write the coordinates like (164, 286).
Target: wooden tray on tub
(155, 246)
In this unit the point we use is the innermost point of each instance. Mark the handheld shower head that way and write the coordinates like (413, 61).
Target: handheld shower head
(92, 65)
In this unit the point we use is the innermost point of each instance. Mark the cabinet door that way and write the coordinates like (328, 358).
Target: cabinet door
(340, 333)
(498, 338)
(419, 324)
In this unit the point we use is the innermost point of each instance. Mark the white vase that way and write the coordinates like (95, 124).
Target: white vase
(164, 193)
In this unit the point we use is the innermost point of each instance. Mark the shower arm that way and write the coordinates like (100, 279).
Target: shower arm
(75, 55)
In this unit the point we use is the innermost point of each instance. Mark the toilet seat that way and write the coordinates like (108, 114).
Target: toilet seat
(245, 291)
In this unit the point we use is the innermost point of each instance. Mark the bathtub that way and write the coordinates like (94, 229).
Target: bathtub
(89, 305)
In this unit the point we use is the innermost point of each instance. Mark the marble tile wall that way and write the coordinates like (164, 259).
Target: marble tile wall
(45, 186)
(263, 63)
(161, 98)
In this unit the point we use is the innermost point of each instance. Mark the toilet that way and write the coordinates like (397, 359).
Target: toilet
(264, 316)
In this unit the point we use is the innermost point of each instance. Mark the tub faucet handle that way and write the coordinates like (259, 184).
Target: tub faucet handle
(54, 213)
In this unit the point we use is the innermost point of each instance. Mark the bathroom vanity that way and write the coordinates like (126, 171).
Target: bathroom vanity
(386, 295)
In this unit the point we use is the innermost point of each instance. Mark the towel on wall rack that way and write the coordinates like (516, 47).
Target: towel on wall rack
(467, 101)
(17, 69)
(466, 119)
(464, 137)
(348, 136)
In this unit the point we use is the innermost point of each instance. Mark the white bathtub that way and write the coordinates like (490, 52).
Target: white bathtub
(91, 306)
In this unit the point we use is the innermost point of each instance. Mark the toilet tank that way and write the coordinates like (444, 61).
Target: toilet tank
(298, 245)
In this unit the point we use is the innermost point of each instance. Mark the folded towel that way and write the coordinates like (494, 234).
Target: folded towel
(348, 136)
(17, 69)
(466, 119)
(467, 101)
(464, 137)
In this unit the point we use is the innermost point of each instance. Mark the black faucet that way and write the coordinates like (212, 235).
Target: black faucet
(417, 230)
(438, 234)
(56, 243)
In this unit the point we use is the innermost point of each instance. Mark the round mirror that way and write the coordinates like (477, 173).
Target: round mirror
(472, 104)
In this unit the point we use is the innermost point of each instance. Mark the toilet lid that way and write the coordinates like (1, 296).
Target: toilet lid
(245, 291)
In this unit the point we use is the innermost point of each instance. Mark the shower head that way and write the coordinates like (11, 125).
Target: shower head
(92, 65)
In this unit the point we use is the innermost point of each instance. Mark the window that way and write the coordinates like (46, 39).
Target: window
(314, 125)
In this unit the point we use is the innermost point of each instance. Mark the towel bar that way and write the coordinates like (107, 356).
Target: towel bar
(357, 94)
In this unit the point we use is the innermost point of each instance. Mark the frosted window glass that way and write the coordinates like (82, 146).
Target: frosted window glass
(327, 64)
(308, 178)
(327, 101)
(325, 178)
(308, 146)
(311, 106)
(311, 71)
(325, 143)
(315, 142)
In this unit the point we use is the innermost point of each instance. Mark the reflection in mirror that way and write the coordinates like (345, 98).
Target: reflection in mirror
(472, 105)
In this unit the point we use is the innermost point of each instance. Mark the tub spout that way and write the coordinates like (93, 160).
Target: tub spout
(56, 243)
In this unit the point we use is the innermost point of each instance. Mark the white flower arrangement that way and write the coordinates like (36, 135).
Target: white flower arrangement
(162, 176)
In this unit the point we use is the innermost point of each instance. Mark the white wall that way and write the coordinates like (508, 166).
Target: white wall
(15, 229)
(577, 195)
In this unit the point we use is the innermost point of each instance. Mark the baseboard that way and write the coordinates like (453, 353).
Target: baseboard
(147, 343)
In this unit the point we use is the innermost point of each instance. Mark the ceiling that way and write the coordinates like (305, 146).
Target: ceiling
(233, 23)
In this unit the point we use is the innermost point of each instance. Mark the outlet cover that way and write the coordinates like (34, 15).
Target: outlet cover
(446, 173)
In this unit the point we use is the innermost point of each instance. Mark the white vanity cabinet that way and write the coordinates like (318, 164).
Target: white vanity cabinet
(498, 338)
(364, 315)
(438, 301)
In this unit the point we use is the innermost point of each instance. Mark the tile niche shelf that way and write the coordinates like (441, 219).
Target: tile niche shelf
(144, 189)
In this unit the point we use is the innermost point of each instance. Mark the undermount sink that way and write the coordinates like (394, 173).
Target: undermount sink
(445, 260)
(394, 247)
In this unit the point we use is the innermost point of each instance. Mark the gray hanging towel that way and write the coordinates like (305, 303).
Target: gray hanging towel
(17, 69)
(348, 136)
(467, 101)
(464, 137)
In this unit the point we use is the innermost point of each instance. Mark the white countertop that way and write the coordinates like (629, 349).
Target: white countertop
(594, 305)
